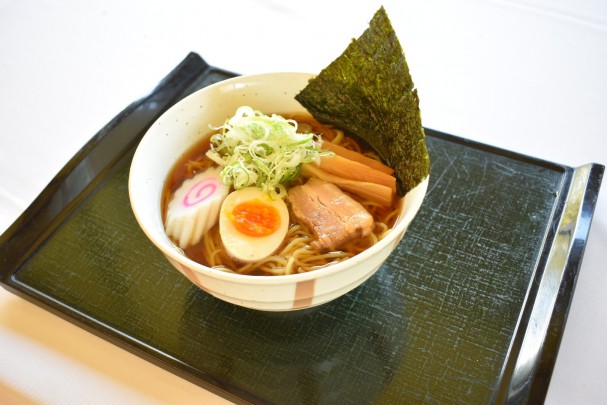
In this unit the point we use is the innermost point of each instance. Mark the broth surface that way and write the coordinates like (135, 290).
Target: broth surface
(295, 255)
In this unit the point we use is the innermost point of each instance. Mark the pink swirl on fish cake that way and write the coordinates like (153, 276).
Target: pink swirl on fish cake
(200, 192)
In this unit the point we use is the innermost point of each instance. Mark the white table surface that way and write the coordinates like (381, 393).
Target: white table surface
(525, 75)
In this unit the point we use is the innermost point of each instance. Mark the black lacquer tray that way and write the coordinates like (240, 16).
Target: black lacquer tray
(496, 247)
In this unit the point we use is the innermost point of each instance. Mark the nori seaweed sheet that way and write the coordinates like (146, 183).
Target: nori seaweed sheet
(368, 91)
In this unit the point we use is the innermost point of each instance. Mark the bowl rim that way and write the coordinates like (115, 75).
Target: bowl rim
(169, 249)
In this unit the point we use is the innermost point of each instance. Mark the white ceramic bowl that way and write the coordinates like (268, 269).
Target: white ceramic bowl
(186, 123)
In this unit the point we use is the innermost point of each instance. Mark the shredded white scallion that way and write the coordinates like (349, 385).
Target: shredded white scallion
(261, 150)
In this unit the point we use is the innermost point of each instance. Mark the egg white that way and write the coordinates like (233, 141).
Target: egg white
(244, 247)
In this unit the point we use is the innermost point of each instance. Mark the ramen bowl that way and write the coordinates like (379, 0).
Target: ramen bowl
(185, 124)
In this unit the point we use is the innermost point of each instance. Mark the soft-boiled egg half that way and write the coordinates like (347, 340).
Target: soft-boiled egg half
(252, 225)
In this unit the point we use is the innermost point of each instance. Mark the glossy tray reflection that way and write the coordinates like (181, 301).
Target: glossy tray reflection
(444, 320)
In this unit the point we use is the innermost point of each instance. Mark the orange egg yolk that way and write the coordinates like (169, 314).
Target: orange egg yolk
(255, 218)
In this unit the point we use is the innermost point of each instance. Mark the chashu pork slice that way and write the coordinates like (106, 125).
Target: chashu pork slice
(334, 217)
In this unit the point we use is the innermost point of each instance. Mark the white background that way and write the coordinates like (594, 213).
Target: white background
(525, 75)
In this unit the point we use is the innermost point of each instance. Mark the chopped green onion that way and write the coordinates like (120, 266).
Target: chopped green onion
(265, 151)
